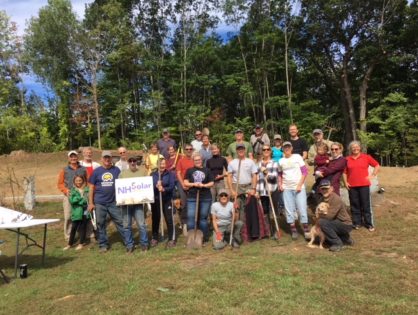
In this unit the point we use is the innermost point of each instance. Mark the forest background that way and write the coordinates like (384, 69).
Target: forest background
(131, 68)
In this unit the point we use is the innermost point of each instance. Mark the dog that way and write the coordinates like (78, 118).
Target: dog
(321, 210)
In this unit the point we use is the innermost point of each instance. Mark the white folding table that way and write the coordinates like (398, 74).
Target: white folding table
(16, 227)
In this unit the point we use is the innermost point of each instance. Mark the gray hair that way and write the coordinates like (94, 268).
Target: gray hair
(354, 142)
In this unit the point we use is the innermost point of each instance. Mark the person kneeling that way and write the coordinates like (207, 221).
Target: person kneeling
(222, 218)
(336, 224)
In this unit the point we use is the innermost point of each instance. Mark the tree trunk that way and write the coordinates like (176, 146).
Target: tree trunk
(349, 103)
(96, 104)
(363, 97)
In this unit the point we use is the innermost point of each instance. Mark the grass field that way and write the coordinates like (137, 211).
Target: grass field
(379, 275)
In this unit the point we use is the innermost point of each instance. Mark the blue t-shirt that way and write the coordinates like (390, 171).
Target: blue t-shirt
(104, 184)
(277, 154)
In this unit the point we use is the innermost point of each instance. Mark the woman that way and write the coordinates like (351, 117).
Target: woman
(292, 183)
(198, 179)
(164, 182)
(277, 149)
(267, 182)
(357, 180)
(151, 162)
(335, 168)
(218, 165)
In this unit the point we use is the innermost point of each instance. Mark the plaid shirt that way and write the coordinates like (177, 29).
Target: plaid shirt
(272, 172)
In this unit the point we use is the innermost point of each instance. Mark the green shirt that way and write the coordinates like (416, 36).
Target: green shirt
(232, 149)
(129, 174)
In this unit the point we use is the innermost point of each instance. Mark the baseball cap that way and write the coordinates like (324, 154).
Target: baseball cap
(277, 137)
(325, 183)
(239, 131)
(257, 126)
(287, 144)
(106, 153)
(72, 152)
(317, 131)
(165, 130)
(240, 146)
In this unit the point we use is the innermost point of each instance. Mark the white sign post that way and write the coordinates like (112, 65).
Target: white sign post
(132, 191)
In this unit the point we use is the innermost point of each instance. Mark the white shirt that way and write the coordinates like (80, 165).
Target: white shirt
(248, 168)
(291, 172)
(197, 145)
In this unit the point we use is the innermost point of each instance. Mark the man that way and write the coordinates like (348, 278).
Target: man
(231, 152)
(183, 165)
(173, 158)
(136, 212)
(299, 145)
(336, 224)
(122, 164)
(222, 219)
(258, 139)
(164, 143)
(65, 183)
(102, 197)
(205, 150)
(87, 161)
(218, 165)
(243, 171)
(197, 142)
(319, 140)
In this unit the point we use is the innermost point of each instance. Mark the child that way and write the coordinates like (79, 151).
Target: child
(79, 214)
(321, 160)
(151, 163)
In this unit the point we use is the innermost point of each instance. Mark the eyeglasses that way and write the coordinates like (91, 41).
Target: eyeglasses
(266, 149)
(197, 160)
(335, 149)
(189, 149)
(123, 152)
(132, 161)
(198, 134)
(223, 195)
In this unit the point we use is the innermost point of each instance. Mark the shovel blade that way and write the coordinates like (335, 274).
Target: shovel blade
(194, 239)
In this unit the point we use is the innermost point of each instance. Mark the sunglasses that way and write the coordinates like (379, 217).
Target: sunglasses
(189, 149)
(198, 134)
(223, 195)
(132, 161)
(266, 149)
(335, 149)
(122, 152)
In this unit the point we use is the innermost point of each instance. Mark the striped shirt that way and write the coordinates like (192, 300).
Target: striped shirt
(272, 175)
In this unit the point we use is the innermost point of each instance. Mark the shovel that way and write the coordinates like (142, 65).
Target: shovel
(195, 237)
(279, 235)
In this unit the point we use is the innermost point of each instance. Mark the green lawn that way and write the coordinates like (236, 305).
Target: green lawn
(379, 275)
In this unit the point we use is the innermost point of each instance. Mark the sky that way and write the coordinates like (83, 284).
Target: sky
(21, 11)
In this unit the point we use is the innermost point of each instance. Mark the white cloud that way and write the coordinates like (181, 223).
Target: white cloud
(20, 11)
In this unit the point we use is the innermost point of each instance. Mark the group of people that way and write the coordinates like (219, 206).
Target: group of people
(233, 195)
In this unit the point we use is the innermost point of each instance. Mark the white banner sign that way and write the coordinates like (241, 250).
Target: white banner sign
(136, 190)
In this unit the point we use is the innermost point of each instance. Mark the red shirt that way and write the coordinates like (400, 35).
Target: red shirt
(357, 169)
(183, 165)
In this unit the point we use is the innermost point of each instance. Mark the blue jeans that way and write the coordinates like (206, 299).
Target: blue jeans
(135, 212)
(295, 200)
(115, 214)
(204, 206)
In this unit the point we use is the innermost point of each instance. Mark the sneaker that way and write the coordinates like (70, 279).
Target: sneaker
(349, 242)
(335, 248)
(130, 250)
(144, 248)
(103, 250)
(171, 244)
(371, 228)
(356, 227)
(79, 246)
(154, 242)
(235, 245)
(295, 235)
(67, 247)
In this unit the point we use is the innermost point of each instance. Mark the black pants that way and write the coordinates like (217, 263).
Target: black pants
(81, 226)
(336, 232)
(361, 209)
(168, 212)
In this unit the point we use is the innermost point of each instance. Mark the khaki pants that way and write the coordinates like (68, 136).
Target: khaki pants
(67, 217)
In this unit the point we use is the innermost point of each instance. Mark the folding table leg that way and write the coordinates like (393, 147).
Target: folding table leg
(17, 251)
